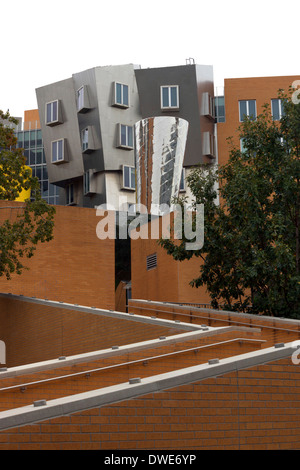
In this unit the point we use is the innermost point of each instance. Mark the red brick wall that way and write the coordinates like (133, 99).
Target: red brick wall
(74, 267)
(34, 332)
(261, 89)
(169, 281)
(255, 408)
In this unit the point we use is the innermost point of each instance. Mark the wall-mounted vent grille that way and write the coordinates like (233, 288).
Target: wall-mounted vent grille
(151, 261)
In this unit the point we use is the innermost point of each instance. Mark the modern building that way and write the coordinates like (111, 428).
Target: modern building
(247, 96)
(30, 138)
(88, 123)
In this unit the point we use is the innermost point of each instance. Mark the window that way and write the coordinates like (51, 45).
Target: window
(208, 105)
(277, 109)
(182, 181)
(85, 139)
(58, 151)
(128, 177)
(169, 97)
(220, 108)
(70, 194)
(121, 95)
(82, 100)
(125, 137)
(151, 261)
(242, 145)
(86, 182)
(209, 148)
(53, 113)
(247, 108)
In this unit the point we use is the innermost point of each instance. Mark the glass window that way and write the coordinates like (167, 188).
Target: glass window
(86, 182)
(57, 151)
(70, 194)
(38, 173)
(32, 138)
(85, 139)
(20, 139)
(170, 97)
(51, 112)
(44, 188)
(277, 109)
(128, 177)
(26, 140)
(121, 95)
(45, 172)
(247, 109)
(39, 154)
(39, 140)
(126, 136)
(220, 108)
(31, 157)
(80, 98)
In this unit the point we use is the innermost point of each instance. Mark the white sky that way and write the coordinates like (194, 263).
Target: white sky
(44, 42)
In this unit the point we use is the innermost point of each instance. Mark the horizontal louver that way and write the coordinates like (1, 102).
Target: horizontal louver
(151, 261)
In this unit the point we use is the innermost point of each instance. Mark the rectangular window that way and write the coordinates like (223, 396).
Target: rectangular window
(125, 136)
(128, 177)
(277, 109)
(70, 194)
(121, 95)
(57, 151)
(170, 97)
(53, 113)
(247, 109)
(182, 181)
(80, 98)
(85, 139)
(86, 182)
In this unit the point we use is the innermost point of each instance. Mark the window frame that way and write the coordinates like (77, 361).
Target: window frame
(121, 104)
(78, 100)
(53, 119)
(70, 191)
(280, 109)
(86, 182)
(169, 106)
(84, 144)
(58, 160)
(241, 119)
(132, 177)
(126, 144)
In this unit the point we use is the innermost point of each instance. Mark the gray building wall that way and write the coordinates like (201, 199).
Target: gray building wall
(194, 82)
(104, 159)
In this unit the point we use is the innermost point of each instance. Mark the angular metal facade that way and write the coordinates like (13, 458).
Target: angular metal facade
(88, 124)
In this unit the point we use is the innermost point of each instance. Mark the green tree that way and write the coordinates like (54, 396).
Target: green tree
(251, 249)
(30, 222)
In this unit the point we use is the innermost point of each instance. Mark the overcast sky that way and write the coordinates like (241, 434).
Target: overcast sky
(44, 42)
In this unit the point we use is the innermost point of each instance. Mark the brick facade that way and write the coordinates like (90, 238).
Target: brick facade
(74, 267)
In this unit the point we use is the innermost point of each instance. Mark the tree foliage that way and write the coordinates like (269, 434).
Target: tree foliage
(30, 222)
(251, 253)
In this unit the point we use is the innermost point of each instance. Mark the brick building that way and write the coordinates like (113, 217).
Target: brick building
(77, 373)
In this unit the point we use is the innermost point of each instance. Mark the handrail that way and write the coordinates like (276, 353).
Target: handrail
(76, 374)
(217, 319)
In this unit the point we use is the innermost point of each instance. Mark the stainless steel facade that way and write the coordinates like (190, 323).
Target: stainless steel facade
(160, 148)
(88, 124)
